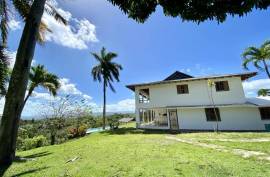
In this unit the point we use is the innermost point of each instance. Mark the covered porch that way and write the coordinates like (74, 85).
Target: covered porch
(158, 118)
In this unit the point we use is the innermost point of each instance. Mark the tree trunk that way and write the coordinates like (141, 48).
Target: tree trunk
(53, 139)
(27, 97)
(104, 104)
(18, 84)
(266, 69)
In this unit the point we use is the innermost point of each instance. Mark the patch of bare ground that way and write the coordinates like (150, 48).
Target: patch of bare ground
(241, 152)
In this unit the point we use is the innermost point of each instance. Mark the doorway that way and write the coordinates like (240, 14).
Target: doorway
(173, 119)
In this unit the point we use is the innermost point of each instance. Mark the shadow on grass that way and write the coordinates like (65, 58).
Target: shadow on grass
(130, 130)
(25, 173)
(31, 157)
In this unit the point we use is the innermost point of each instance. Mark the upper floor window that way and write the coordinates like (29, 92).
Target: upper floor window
(182, 89)
(222, 86)
(144, 95)
(212, 114)
(265, 113)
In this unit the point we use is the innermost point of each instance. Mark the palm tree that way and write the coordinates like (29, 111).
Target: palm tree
(31, 11)
(263, 92)
(41, 77)
(106, 71)
(258, 56)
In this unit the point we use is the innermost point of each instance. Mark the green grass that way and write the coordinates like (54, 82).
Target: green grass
(130, 152)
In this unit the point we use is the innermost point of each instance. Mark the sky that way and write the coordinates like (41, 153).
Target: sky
(147, 52)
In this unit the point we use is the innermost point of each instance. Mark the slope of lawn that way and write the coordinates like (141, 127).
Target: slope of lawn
(130, 152)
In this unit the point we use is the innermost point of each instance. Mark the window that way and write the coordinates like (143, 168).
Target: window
(144, 95)
(222, 86)
(265, 113)
(182, 89)
(211, 115)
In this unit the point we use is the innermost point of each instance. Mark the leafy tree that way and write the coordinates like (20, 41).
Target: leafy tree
(258, 56)
(106, 71)
(31, 11)
(39, 76)
(189, 10)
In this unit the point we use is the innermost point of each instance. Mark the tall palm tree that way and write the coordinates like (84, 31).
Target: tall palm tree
(258, 56)
(31, 11)
(106, 71)
(39, 76)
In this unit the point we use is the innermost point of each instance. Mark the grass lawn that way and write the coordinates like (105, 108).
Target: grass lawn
(130, 152)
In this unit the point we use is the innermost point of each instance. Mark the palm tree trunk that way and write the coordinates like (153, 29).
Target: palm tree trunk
(104, 104)
(27, 97)
(266, 69)
(18, 84)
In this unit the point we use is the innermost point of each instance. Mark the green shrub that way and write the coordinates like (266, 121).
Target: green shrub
(35, 142)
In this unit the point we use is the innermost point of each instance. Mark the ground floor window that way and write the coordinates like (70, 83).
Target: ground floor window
(212, 114)
(265, 113)
(153, 117)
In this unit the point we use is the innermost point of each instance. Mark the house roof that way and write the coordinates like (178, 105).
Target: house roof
(243, 76)
(260, 101)
(126, 120)
(177, 75)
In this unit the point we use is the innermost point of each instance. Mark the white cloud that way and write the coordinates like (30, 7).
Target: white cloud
(77, 35)
(68, 88)
(14, 24)
(41, 95)
(251, 87)
(87, 97)
(126, 105)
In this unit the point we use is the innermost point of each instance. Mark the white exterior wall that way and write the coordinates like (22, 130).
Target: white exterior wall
(163, 95)
(232, 118)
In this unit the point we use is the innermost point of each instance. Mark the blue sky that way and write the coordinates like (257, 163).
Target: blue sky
(147, 52)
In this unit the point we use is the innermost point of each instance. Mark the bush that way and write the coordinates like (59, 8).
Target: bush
(77, 132)
(35, 142)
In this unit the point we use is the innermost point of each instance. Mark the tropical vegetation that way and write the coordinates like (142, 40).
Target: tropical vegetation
(259, 57)
(106, 71)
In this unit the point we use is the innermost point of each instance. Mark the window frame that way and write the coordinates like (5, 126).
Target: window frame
(265, 113)
(209, 119)
(225, 88)
(182, 87)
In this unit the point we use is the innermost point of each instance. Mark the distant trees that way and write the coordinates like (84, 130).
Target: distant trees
(259, 57)
(106, 71)
(57, 111)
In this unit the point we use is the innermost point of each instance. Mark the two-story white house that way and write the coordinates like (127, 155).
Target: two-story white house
(183, 102)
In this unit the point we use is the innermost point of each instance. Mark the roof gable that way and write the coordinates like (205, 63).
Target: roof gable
(177, 75)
